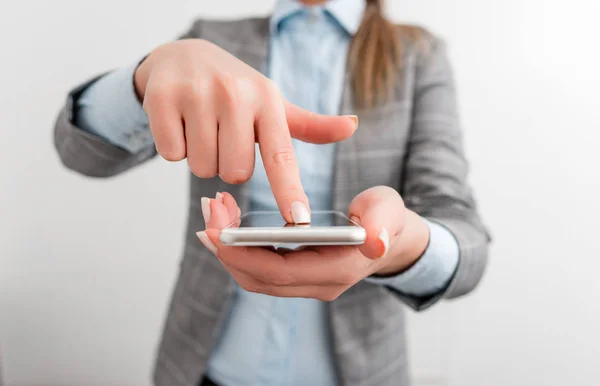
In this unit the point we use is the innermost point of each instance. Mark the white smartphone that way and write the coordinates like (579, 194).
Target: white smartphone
(270, 229)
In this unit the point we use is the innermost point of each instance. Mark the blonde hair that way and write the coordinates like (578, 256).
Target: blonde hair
(376, 56)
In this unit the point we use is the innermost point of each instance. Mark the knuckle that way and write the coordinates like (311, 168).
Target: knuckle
(192, 90)
(270, 90)
(235, 177)
(172, 155)
(156, 95)
(158, 90)
(284, 156)
(203, 172)
(202, 164)
(201, 168)
(230, 87)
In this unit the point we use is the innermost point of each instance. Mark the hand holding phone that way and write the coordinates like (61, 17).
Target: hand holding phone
(395, 238)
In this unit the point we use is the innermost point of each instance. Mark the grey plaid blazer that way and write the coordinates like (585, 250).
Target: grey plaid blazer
(412, 143)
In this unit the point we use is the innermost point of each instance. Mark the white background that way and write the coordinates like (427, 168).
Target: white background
(86, 266)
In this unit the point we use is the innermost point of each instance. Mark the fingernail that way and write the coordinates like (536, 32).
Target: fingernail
(384, 237)
(300, 213)
(219, 197)
(205, 204)
(207, 242)
(354, 118)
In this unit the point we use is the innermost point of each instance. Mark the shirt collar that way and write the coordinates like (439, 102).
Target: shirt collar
(348, 13)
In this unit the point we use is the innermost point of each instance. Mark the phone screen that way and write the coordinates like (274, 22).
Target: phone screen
(274, 220)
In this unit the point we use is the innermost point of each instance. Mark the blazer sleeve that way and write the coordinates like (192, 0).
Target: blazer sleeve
(89, 154)
(435, 176)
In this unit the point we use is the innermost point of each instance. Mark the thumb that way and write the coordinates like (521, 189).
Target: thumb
(379, 210)
(216, 216)
(316, 128)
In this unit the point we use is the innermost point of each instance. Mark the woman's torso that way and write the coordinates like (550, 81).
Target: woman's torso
(373, 156)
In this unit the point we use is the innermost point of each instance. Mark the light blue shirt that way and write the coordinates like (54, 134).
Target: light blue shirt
(267, 340)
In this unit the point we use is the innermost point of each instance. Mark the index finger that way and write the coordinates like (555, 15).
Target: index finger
(279, 159)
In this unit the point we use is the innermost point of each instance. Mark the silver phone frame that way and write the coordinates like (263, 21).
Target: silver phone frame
(299, 235)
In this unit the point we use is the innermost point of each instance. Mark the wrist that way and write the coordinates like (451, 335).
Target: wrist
(139, 79)
(410, 246)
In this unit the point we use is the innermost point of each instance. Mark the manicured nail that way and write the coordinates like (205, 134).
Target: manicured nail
(354, 118)
(384, 237)
(205, 204)
(219, 197)
(300, 213)
(207, 242)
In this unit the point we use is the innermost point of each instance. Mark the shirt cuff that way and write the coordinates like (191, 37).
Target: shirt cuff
(433, 271)
(110, 109)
